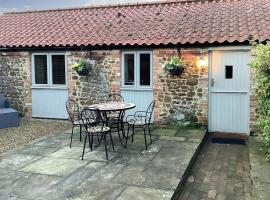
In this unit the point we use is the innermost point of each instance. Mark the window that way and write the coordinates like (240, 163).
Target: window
(228, 72)
(137, 69)
(49, 69)
(41, 73)
(58, 69)
(129, 62)
(145, 68)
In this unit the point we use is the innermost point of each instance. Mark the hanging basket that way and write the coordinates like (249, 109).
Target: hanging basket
(83, 72)
(176, 71)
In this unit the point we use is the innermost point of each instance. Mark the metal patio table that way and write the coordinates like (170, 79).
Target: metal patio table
(119, 107)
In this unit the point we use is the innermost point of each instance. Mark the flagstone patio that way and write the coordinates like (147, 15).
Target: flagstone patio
(49, 169)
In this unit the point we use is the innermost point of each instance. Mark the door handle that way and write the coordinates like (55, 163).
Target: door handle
(212, 82)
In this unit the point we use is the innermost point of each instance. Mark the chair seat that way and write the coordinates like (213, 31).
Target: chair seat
(138, 122)
(78, 122)
(98, 129)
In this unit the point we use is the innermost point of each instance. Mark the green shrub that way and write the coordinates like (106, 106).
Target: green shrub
(261, 64)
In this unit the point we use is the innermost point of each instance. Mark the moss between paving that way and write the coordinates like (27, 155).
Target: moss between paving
(260, 169)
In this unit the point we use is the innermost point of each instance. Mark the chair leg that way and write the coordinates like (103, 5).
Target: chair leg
(86, 135)
(127, 135)
(98, 137)
(80, 133)
(112, 141)
(122, 129)
(71, 136)
(120, 139)
(91, 143)
(106, 150)
(133, 132)
(145, 138)
(149, 131)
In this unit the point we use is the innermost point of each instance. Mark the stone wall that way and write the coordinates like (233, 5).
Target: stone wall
(253, 102)
(103, 78)
(15, 80)
(181, 99)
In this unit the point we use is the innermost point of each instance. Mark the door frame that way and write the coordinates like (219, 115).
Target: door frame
(49, 86)
(210, 59)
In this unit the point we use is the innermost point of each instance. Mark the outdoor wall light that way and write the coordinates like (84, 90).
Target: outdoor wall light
(202, 63)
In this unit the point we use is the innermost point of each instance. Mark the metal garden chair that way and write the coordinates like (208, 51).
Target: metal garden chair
(115, 97)
(95, 124)
(141, 119)
(73, 111)
(115, 118)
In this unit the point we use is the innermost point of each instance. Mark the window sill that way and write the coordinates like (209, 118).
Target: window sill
(50, 87)
(137, 89)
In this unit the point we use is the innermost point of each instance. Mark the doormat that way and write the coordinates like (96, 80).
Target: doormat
(228, 140)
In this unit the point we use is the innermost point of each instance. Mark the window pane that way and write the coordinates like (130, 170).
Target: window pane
(40, 62)
(145, 69)
(228, 72)
(129, 69)
(58, 69)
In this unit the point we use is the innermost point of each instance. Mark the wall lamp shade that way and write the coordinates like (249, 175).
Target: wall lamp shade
(202, 62)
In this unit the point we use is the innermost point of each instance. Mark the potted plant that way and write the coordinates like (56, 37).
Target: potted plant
(83, 66)
(175, 66)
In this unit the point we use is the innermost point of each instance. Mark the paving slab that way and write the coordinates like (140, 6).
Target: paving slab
(16, 161)
(131, 175)
(164, 132)
(66, 185)
(140, 193)
(52, 170)
(31, 186)
(54, 166)
(38, 150)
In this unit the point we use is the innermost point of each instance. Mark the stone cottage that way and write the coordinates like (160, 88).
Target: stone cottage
(130, 45)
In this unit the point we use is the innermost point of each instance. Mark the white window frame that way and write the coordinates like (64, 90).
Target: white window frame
(49, 71)
(137, 84)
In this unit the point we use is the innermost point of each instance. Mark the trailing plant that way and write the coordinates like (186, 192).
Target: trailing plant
(261, 64)
(83, 66)
(176, 66)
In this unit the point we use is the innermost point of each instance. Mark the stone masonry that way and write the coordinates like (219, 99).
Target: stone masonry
(103, 78)
(15, 80)
(181, 99)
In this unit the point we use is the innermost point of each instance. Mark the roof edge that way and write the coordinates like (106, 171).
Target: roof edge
(156, 2)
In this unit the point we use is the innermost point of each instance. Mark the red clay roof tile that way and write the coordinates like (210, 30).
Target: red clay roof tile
(158, 23)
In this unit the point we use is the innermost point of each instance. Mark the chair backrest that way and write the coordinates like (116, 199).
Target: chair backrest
(149, 111)
(73, 110)
(91, 117)
(115, 97)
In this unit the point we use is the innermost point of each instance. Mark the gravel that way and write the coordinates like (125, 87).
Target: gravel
(30, 130)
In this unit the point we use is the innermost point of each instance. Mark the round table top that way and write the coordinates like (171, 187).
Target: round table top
(113, 106)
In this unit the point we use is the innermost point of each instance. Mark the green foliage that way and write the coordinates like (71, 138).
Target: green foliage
(175, 63)
(261, 64)
(83, 65)
(80, 65)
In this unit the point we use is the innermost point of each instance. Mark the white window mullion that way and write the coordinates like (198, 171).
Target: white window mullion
(137, 68)
(49, 64)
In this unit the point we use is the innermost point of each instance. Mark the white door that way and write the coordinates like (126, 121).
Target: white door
(49, 88)
(137, 79)
(229, 92)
